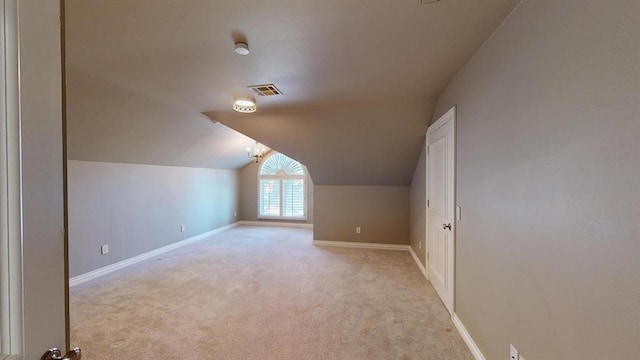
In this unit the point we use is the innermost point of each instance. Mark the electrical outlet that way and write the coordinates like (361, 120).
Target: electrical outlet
(183, 228)
(104, 249)
(513, 353)
(357, 229)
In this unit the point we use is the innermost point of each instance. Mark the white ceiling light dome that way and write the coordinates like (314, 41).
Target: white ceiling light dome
(244, 105)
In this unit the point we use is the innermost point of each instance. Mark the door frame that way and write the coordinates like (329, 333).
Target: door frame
(11, 282)
(32, 197)
(444, 119)
(426, 205)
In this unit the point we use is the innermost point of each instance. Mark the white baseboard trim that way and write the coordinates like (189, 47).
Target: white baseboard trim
(357, 245)
(275, 223)
(423, 270)
(475, 350)
(77, 280)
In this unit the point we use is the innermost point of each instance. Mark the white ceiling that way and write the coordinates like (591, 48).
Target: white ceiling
(316, 52)
(319, 53)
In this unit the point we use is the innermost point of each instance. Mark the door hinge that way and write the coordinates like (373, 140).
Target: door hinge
(427, 203)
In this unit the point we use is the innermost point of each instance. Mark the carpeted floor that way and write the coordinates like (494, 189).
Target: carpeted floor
(264, 293)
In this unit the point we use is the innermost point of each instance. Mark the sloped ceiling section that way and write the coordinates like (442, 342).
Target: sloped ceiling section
(316, 52)
(363, 144)
(149, 68)
(111, 124)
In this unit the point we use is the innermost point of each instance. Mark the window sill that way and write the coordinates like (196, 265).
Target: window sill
(281, 218)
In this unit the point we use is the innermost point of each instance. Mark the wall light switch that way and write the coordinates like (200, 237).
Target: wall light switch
(458, 212)
(104, 249)
(357, 229)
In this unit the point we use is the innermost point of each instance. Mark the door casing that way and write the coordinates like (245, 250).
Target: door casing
(11, 329)
(448, 118)
(33, 207)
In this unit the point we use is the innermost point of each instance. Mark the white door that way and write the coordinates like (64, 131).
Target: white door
(441, 188)
(33, 277)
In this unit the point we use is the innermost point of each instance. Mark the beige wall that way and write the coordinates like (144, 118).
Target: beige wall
(382, 212)
(418, 212)
(548, 156)
(335, 143)
(249, 195)
(139, 208)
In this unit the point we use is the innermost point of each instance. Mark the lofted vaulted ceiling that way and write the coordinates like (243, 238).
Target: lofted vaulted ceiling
(334, 60)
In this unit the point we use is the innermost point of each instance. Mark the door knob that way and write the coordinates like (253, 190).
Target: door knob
(446, 226)
(55, 354)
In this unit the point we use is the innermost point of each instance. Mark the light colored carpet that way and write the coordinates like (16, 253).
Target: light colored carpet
(264, 293)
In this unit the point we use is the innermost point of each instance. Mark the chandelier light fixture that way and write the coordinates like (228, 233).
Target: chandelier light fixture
(258, 152)
(245, 105)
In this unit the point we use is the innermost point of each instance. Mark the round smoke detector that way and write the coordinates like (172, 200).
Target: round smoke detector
(242, 48)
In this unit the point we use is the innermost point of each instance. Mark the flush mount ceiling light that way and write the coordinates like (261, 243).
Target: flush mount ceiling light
(244, 105)
(242, 48)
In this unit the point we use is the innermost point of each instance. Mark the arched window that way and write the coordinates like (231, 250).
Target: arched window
(281, 188)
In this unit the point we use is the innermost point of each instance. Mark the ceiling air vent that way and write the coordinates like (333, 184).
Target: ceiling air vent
(424, 2)
(266, 90)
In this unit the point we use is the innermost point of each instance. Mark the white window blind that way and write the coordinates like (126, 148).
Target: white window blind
(293, 204)
(269, 197)
(282, 193)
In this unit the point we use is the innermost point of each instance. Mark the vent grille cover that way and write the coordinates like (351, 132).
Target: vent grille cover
(266, 90)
